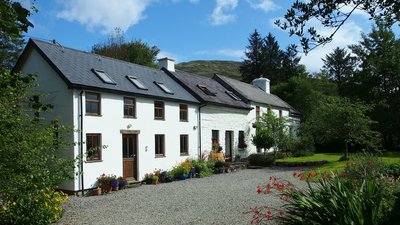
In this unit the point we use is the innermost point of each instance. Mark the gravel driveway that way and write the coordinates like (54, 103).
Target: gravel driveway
(218, 199)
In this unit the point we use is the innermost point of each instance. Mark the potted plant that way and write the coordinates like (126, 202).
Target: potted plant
(219, 167)
(114, 183)
(105, 182)
(149, 178)
(227, 167)
(121, 183)
(96, 191)
(155, 179)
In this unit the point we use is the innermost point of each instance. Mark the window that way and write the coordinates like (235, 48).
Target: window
(163, 87)
(103, 76)
(184, 144)
(280, 113)
(136, 82)
(205, 90)
(92, 103)
(158, 110)
(160, 144)
(258, 112)
(215, 139)
(93, 147)
(129, 107)
(183, 112)
(232, 95)
(242, 143)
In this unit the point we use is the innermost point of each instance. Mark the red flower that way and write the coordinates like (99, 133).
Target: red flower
(258, 189)
(280, 213)
(294, 174)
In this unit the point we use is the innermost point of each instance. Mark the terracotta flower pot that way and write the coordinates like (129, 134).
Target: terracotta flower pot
(155, 182)
(97, 191)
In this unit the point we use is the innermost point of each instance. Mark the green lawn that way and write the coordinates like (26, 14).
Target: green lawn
(333, 160)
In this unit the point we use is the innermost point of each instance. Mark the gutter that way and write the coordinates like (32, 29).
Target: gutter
(81, 141)
(200, 106)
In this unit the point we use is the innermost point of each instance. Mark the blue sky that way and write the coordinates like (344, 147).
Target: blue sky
(182, 29)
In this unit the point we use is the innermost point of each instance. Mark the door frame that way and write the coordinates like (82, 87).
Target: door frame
(136, 159)
(230, 150)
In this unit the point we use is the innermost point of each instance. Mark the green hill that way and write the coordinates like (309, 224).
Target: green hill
(209, 67)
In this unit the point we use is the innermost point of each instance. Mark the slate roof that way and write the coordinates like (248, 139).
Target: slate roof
(75, 67)
(251, 93)
(192, 82)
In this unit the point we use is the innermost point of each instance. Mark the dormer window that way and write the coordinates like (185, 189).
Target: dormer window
(232, 95)
(164, 88)
(135, 81)
(103, 76)
(205, 90)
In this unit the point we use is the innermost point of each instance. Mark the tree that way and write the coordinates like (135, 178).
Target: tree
(338, 119)
(264, 57)
(377, 80)
(134, 51)
(339, 65)
(31, 161)
(251, 67)
(271, 131)
(13, 22)
(332, 14)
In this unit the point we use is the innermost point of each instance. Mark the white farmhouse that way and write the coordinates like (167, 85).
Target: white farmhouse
(258, 96)
(223, 115)
(143, 116)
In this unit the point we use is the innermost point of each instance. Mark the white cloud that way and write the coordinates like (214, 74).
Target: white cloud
(221, 13)
(194, 1)
(231, 53)
(265, 5)
(104, 14)
(349, 33)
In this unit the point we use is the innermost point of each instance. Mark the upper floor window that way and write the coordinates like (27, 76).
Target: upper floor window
(183, 112)
(159, 112)
(258, 112)
(164, 87)
(93, 147)
(135, 81)
(205, 90)
(92, 103)
(129, 107)
(103, 76)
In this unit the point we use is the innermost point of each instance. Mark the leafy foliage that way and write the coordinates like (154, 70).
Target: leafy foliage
(132, 51)
(208, 68)
(31, 162)
(332, 14)
(13, 22)
(265, 58)
(261, 159)
(339, 65)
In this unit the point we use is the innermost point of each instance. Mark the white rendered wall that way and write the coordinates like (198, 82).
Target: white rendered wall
(223, 119)
(111, 122)
(55, 92)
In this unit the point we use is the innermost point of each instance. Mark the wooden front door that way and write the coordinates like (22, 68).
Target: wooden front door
(129, 154)
(228, 144)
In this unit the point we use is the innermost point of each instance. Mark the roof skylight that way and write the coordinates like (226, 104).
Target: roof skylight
(232, 95)
(136, 82)
(103, 76)
(164, 88)
(205, 90)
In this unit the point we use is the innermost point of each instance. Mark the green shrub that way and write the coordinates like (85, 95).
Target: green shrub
(393, 170)
(332, 202)
(201, 167)
(364, 165)
(261, 159)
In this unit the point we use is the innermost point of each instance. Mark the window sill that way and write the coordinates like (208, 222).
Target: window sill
(96, 115)
(94, 161)
(129, 117)
(159, 156)
(184, 154)
(184, 121)
(161, 119)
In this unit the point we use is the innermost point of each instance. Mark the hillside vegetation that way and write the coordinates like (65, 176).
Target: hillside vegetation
(209, 68)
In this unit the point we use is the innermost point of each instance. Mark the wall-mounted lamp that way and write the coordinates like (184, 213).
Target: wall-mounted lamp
(129, 126)
(194, 127)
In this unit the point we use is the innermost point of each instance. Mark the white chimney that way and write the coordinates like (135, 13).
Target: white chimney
(262, 83)
(167, 63)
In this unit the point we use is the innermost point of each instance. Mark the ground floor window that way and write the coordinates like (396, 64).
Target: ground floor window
(160, 144)
(93, 147)
(184, 140)
(242, 143)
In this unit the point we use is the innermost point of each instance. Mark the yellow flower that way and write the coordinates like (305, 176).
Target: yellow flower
(14, 203)
(5, 209)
